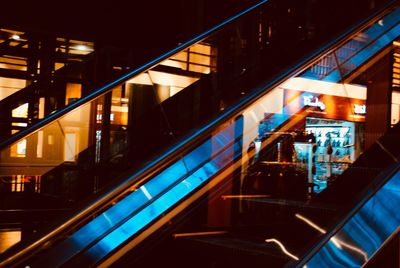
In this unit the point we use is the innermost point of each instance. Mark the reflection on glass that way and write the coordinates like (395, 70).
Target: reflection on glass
(364, 232)
(282, 150)
(284, 250)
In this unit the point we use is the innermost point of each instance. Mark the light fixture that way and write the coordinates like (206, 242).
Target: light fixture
(81, 47)
(15, 37)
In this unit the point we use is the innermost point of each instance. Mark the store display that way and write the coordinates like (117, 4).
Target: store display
(335, 147)
(316, 155)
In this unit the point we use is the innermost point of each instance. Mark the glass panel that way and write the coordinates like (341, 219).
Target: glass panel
(365, 232)
(264, 167)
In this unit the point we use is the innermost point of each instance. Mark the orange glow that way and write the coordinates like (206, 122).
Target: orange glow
(8, 239)
(73, 92)
(199, 234)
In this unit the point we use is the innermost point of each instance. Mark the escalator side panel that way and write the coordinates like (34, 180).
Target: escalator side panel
(365, 232)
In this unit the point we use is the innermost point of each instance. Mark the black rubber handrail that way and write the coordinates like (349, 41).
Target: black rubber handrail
(370, 190)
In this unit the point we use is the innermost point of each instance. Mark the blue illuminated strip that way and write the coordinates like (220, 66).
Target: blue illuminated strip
(131, 203)
(150, 200)
(365, 232)
(223, 142)
(364, 55)
(368, 43)
(184, 187)
(151, 212)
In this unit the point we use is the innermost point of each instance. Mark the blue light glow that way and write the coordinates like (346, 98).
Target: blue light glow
(366, 230)
(144, 205)
(363, 47)
(152, 199)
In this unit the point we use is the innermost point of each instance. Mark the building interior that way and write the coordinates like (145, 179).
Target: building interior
(203, 134)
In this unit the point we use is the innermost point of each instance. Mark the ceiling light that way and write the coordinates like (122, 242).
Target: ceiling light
(81, 47)
(15, 37)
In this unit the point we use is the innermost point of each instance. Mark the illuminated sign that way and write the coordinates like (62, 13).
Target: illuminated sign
(326, 106)
(360, 109)
(313, 102)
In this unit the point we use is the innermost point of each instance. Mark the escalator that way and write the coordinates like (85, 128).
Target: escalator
(195, 190)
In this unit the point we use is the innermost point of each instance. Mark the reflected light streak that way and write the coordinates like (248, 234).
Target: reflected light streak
(264, 108)
(336, 241)
(187, 184)
(353, 248)
(254, 116)
(273, 240)
(316, 227)
(309, 222)
(146, 193)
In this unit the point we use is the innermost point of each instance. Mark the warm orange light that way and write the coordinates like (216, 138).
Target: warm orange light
(284, 250)
(199, 234)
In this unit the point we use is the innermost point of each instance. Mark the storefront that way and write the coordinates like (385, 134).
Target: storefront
(337, 124)
(325, 121)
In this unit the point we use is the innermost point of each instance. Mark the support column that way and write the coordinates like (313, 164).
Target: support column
(378, 100)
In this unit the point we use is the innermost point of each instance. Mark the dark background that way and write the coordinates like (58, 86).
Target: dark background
(120, 22)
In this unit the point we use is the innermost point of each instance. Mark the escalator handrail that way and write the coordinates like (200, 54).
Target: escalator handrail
(102, 90)
(165, 158)
(380, 250)
(370, 190)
